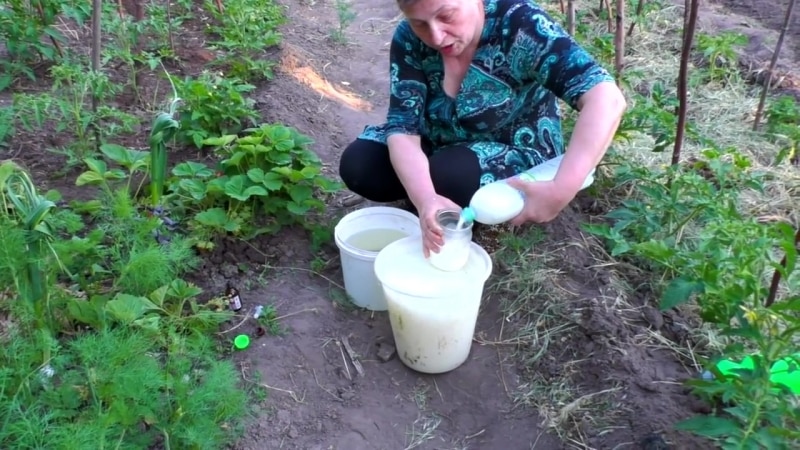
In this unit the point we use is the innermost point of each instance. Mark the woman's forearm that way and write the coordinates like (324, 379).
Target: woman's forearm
(601, 110)
(411, 166)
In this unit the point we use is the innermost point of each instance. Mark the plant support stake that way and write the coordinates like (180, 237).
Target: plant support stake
(688, 36)
(786, 21)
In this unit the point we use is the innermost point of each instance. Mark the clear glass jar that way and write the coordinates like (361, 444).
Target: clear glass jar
(453, 255)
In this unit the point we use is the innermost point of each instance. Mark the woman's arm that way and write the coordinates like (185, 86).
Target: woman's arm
(406, 111)
(411, 165)
(601, 110)
(554, 59)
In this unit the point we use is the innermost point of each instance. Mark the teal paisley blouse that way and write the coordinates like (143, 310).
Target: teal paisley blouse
(506, 110)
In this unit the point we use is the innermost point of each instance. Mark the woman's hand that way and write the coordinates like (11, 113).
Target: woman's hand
(432, 233)
(544, 200)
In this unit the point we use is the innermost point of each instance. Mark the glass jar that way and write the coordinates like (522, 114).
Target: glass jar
(453, 255)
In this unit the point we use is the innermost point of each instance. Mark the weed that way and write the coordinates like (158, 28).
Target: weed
(346, 15)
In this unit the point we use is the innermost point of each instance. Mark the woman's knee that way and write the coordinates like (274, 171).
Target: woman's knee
(355, 161)
(366, 169)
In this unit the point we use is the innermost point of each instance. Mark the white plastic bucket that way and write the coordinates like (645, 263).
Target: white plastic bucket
(432, 312)
(358, 271)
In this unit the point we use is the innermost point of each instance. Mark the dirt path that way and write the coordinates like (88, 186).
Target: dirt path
(601, 378)
(331, 91)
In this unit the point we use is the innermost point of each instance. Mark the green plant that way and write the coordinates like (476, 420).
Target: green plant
(243, 31)
(28, 212)
(346, 15)
(213, 105)
(720, 51)
(118, 388)
(165, 127)
(686, 223)
(265, 179)
(782, 116)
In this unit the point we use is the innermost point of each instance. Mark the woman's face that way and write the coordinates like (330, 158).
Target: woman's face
(449, 26)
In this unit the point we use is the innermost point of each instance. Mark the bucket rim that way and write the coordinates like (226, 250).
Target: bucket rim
(474, 247)
(363, 213)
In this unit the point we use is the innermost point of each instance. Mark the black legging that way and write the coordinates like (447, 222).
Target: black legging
(365, 168)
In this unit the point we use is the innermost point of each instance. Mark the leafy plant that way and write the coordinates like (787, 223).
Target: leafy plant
(165, 127)
(686, 224)
(265, 179)
(213, 106)
(720, 51)
(29, 212)
(243, 31)
(782, 116)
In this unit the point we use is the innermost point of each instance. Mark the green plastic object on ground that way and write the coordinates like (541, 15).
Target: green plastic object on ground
(241, 341)
(785, 371)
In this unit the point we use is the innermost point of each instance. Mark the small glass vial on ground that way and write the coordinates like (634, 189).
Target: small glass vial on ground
(234, 301)
(453, 255)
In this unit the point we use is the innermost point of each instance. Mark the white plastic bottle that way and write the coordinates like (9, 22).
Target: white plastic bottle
(499, 202)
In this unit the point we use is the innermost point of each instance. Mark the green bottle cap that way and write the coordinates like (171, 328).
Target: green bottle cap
(468, 214)
(241, 341)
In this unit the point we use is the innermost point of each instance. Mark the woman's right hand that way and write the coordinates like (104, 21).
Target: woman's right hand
(432, 233)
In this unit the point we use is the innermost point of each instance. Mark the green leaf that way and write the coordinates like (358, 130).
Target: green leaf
(214, 217)
(297, 209)
(300, 193)
(679, 291)
(85, 312)
(279, 159)
(116, 153)
(192, 169)
(159, 295)
(89, 178)
(195, 188)
(126, 308)
(708, 426)
(220, 141)
(217, 185)
(310, 172)
(235, 159)
(96, 165)
(272, 181)
(236, 187)
(255, 190)
(114, 174)
(256, 175)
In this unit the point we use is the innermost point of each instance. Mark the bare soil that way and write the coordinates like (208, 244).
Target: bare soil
(625, 387)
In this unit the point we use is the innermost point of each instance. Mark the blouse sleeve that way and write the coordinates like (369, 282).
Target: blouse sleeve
(408, 89)
(540, 49)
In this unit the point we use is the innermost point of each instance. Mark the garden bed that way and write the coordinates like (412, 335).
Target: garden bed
(571, 351)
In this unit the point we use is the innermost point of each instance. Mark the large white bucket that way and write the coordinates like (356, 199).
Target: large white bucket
(358, 255)
(432, 312)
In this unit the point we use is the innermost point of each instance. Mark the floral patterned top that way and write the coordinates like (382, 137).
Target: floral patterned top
(506, 109)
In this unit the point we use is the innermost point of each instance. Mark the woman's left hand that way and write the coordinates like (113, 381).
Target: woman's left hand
(543, 200)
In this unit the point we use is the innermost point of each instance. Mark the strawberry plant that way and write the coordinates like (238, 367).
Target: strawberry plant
(264, 179)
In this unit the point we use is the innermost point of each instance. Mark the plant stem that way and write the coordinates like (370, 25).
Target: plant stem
(639, 9)
(776, 276)
(619, 40)
(692, 7)
(787, 19)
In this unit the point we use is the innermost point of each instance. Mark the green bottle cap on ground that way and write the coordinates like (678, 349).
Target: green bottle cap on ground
(241, 341)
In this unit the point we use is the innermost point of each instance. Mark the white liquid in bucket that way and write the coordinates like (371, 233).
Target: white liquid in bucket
(360, 236)
(374, 240)
(430, 339)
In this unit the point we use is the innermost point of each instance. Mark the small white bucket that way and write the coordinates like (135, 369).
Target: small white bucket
(358, 271)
